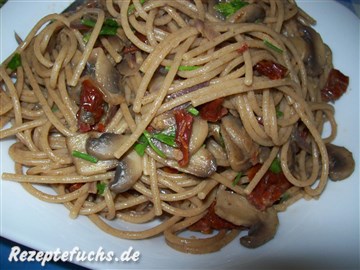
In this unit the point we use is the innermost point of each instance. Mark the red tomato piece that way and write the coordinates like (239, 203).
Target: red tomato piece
(184, 123)
(270, 69)
(211, 221)
(269, 189)
(335, 86)
(213, 110)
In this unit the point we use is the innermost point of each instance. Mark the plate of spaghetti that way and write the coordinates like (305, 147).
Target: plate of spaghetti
(202, 134)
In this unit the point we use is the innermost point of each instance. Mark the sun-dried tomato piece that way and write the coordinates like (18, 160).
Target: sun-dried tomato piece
(213, 110)
(211, 221)
(184, 123)
(335, 86)
(270, 69)
(269, 189)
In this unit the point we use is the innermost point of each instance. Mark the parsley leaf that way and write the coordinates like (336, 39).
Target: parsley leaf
(15, 62)
(275, 166)
(100, 188)
(237, 179)
(227, 9)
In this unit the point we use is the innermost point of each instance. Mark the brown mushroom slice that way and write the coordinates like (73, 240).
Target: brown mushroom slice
(341, 162)
(103, 147)
(239, 136)
(163, 121)
(214, 131)
(108, 78)
(201, 164)
(169, 151)
(83, 167)
(316, 57)
(198, 134)
(128, 171)
(238, 161)
(248, 14)
(218, 152)
(237, 210)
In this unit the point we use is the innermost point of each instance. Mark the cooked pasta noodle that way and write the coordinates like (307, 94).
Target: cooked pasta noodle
(179, 112)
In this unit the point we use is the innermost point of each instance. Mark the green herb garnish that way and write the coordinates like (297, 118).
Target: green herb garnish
(279, 113)
(168, 139)
(131, 8)
(15, 62)
(272, 46)
(237, 179)
(193, 111)
(227, 9)
(141, 145)
(275, 166)
(109, 28)
(54, 108)
(86, 37)
(100, 188)
(284, 197)
(84, 156)
(184, 68)
(148, 136)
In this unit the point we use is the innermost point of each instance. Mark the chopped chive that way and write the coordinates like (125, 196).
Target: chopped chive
(84, 156)
(279, 113)
(284, 197)
(86, 37)
(111, 23)
(100, 188)
(108, 31)
(165, 138)
(237, 179)
(272, 46)
(109, 28)
(152, 145)
(275, 166)
(88, 22)
(184, 68)
(193, 111)
(15, 62)
(54, 108)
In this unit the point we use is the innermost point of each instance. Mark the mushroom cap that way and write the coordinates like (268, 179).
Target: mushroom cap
(127, 173)
(238, 210)
(103, 147)
(341, 162)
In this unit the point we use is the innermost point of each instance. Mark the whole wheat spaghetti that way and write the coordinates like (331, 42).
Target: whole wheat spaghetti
(199, 115)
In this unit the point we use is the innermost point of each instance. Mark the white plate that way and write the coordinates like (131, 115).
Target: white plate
(322, 234)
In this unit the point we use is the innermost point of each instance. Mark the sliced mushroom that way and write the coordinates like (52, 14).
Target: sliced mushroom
(108, 78)
(237, 210)
(198, 134)
(169, 151)
(201, 164)
(206, 30)
(218, 152)
(341, 162)
(163, 121)
(127, 173)
(104, 146)
(214, 131)
(83, 167)
(316, 57)
(239, 147)
(248, 14)
(238, 134)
